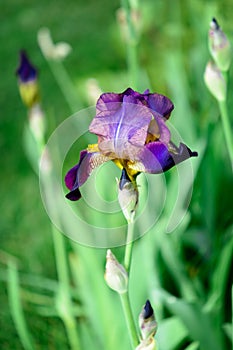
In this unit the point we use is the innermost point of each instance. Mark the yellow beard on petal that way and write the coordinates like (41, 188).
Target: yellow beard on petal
(93, 148)
(136, 167)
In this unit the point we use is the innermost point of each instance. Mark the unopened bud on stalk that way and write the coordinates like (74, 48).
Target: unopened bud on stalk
(147, 344)
(215, 81)
(135, 18)
(219, 46)
(37, 122)
(115, 276)
(93, 90)
(27, 79)
(127, 196)
(147, 323)
(50, 50)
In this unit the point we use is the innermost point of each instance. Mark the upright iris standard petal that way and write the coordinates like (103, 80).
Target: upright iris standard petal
(122, 127)
(132, 133)
(160, 104)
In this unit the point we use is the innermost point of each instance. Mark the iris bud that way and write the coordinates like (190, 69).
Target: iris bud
(219, 46)
(27, 79)
(37, 122)
(147, 344)
(127, 196)
(215, 81)
(115, 276)
(147, 323)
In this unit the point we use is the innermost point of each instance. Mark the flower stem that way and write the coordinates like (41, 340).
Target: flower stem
(131, 46)
(65, 84)
(129, 246)
(65, 305)
(129, 319)
(227, 129)
(125, 296)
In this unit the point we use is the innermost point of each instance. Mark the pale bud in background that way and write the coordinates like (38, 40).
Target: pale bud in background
(45, 162)
(215, 81)
(219, 46)
(115, 276)
(124, 28)
(37, 122)
(50, 50)
(93, 90)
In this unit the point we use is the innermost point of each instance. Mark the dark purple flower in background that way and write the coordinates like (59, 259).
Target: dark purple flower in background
(132, 133)
(27, 79)
(26, 71)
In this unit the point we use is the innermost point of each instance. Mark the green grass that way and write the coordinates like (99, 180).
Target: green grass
(186, 274)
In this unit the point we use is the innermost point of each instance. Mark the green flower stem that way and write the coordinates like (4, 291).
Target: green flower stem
(66, 310)
(64, 298)
(125, 297)
(129, 319)
(65, 84)
(60, 256)
(131, 46)
(226, 129)
(129, 246)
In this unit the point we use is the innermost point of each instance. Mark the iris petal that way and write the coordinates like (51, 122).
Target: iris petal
(156, 158)
(122, 127)
(79, 174)
(26, 72)
(160, 104)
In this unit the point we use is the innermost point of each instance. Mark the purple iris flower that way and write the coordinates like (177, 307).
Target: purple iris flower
(132, 133)
(26, 72)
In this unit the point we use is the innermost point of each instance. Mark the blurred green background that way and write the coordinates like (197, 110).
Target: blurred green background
(173, 53)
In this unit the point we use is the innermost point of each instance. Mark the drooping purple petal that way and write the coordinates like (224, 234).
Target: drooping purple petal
(26, 71)
(71, 176)
(74, 195)
(79, 174)
(156, 158)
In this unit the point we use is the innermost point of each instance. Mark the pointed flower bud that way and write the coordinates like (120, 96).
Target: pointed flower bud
(115, 276)
(219, 46)
(215, 81)
(127, 196)
(147, 322)
(136, 24)
(147, 344)
(27, 79)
